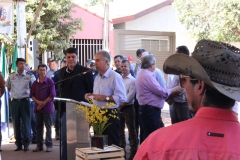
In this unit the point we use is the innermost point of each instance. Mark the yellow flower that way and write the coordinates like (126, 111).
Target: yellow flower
(97, 117)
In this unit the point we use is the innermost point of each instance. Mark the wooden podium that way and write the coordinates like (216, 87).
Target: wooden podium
(77, 128)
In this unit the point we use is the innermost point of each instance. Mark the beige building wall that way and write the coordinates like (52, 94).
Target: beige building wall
(163, 20)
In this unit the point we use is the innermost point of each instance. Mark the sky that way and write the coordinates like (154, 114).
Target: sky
(121, 8)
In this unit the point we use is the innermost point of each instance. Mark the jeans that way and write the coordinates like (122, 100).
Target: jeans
(127, 115)
(56, 119)
(179, 112)
(41, 119)
(150, 119)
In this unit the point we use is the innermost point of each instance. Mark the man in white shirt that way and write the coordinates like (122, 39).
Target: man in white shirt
(127, 111)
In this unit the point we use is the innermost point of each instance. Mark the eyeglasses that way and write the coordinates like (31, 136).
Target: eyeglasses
(183, 80)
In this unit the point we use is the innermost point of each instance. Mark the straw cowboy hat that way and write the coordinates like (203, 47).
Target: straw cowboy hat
(216, 63)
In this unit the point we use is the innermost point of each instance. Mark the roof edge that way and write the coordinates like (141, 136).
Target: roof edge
(84, 8)
(142, 13)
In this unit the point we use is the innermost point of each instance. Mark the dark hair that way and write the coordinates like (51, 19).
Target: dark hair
(140, 51)
(183, 49)
(215, 98)
(54, 61)
(70, 51)
(42, 65)
(126, 61)
(120, 56)
(20, 60)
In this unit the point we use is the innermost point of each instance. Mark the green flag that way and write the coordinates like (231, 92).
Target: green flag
(15, 56)
(3, 61)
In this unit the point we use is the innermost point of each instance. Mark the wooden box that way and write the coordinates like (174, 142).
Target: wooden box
(112, 152)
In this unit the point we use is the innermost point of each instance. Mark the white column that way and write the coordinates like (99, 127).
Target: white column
(21, 28)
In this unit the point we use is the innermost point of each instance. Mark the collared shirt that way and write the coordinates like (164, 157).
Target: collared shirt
(149, 91)
(50, 73)
(20, 85)
(129, 83)
(110, 84)
(131, 72)
(158, 74)
(173, 81)
(43, 94)
(213, 133)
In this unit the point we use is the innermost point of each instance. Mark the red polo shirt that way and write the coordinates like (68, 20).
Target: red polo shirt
(212, 134)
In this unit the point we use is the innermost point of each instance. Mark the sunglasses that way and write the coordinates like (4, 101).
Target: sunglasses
(183, 80)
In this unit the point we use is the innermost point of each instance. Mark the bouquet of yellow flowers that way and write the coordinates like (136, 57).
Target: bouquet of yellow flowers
(98, 117)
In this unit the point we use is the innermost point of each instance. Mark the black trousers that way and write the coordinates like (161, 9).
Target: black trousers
(112, 130)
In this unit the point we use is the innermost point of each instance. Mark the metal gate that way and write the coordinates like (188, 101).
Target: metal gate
(87, 48)
(161, 44)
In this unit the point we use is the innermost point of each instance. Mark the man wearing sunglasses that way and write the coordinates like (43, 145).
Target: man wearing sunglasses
(211, 78)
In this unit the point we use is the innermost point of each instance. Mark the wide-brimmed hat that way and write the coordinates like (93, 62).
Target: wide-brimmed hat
(216, 63)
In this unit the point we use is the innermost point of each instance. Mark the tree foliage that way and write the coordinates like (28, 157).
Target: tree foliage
(54, 25)
(211, 19)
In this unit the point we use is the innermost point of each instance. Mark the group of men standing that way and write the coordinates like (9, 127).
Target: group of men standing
(123, 86)
(139, 92)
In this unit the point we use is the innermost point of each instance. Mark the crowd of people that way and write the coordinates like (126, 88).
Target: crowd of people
(201, 91)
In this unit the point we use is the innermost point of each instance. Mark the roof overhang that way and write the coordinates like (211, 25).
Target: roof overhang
(142, 13)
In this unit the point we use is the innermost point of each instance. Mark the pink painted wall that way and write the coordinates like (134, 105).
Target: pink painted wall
(92, 27)
(92, 24)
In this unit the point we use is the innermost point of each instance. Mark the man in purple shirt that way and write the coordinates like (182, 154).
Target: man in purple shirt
(43, 99)
(151, 96)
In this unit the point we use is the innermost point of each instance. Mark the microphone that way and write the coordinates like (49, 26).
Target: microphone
(79, 74)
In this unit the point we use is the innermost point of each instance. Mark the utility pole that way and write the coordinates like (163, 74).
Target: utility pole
(105, 26)
(21, 27)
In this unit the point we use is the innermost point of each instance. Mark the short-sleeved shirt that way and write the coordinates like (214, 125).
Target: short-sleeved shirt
(20, 85)
(43, 94)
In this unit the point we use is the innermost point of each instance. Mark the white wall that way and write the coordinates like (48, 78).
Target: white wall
(164, 19)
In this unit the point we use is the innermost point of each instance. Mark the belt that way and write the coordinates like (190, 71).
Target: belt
(155, 108)
(23, 99)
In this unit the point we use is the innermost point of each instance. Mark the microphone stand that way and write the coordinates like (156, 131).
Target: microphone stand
(59, 104)
(79, 74)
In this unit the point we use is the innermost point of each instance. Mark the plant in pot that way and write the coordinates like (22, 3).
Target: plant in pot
(98, 119)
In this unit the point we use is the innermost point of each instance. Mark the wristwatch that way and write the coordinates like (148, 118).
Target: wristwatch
(107, 99)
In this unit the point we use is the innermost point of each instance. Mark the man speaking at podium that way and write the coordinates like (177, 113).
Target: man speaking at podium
(74, 88)
(108, 87)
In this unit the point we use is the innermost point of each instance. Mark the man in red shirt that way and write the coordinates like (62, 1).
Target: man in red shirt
(211, 78)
